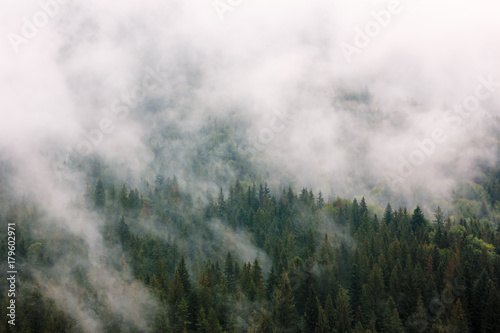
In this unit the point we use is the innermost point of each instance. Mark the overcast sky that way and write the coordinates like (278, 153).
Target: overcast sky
(418, 60)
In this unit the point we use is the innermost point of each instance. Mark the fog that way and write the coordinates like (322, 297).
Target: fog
(319, 104)
(262, 59)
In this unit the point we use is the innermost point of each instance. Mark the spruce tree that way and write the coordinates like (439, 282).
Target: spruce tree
(439, 220)
(285, 313)
(388, 214)
(229, 273)
(343, 312)
(330, 313)
(458, 320)
(100, 195)
(355, 215)
(363, 208)
(312, 312)
(356, 287)
(123, 197)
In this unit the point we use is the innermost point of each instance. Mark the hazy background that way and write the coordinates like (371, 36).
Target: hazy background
(351, 121)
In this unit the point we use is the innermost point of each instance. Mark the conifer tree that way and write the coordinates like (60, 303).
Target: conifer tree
(418, 221)
(123, 197)
(100, 195)
(363, 208)
(320, 201)
(458, 321)
(112, 193)
(213, 322)
(391, 322)
(229, 273)
(356, 287)
(388, 214)
(439, 220)
(330, 313)
(355, 215)
(312, 312)
(285, 313)
(343, 312)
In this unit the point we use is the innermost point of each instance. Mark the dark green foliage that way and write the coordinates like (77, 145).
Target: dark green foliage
(311, 314)
(123, 197)
(418, 221)
(320, 267)
(100, 195)
(343, 312)
(388, 214)
(285, 313)
(356, 287)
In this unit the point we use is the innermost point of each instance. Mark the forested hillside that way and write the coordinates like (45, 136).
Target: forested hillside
(255, 259)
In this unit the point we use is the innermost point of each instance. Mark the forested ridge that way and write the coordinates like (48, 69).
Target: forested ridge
(318, 264)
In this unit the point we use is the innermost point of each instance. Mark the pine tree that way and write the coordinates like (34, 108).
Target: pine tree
(437, 326)
(439, 220)
(34, 306)
(182, 316)
(133, 199)
(458, 321)
(285, 313)
(184, 275)
(356, 287)
(375, 289)
(256, 276)
(330, 313)
(123, 197)
(232, 324)
(312, 312)
(123, 232)
(321, 201)
(229, 273)
(355, 215)
(363, 208)
(484, 212)
(391, 322)
(323, 325)
(491, 317)
(100, 195)
(202, 324)
(112, 193)
(204, 291)
(365, 228)
(176, 290)
(418, 221)
(418, 321)
(343, 312)
(51, 325)
(478, 304)
(213, 322)
(388, 214)
(439, 217)
(271, 283)
(221, 204)
(159, 181)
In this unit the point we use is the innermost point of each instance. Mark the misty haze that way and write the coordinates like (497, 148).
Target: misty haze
(250, 166)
